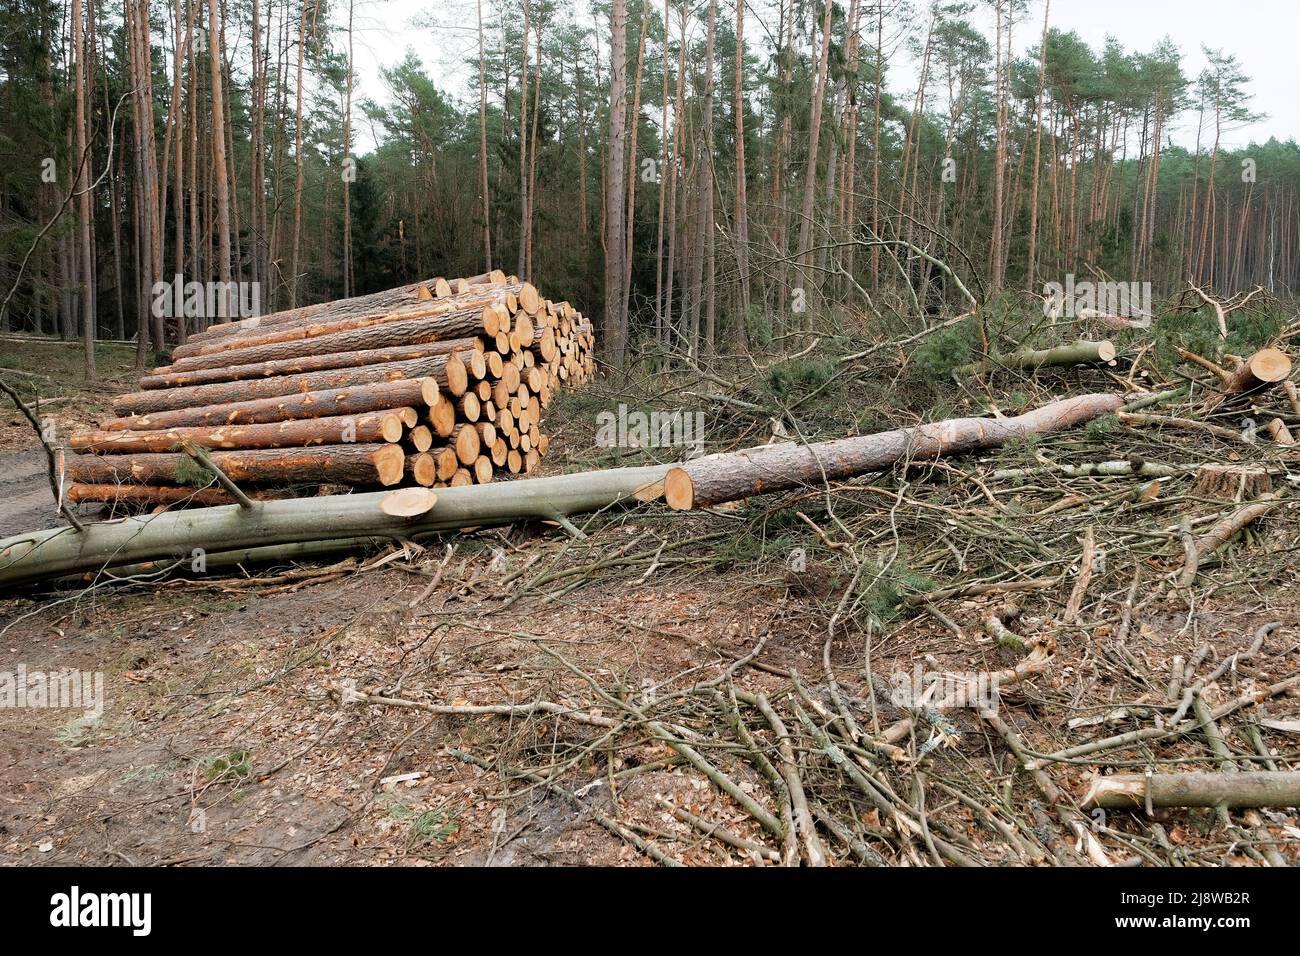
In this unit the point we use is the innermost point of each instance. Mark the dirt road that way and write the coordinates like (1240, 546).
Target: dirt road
(25, 499)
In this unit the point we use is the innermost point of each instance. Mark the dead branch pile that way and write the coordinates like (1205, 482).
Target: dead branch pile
(1080, 652)
(435, 384)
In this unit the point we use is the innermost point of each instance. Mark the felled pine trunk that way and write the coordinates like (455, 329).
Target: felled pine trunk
(730, 477)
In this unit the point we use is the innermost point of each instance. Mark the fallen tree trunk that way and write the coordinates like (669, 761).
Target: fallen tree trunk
(53, 553)
(345, 464)
(366, 428)
(1131, 791)
(449, 372)
(1076, 353)
(730, 477)
(1262, 370)
(420, 392)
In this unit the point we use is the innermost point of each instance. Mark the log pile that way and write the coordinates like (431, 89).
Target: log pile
(439, 383)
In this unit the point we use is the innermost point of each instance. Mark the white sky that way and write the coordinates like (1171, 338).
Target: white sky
(1262, 34)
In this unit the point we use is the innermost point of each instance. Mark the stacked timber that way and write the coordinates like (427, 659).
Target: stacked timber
(433, 384)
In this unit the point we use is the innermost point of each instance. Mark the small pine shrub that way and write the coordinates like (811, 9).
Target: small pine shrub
(802, 375)
(943, 351)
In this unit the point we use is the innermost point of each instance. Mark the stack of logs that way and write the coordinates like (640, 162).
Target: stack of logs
(436, 383)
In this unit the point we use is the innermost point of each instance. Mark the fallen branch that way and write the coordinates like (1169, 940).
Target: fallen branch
(1261, 788)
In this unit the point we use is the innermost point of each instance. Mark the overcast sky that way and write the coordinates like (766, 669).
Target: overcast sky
(1262, 34)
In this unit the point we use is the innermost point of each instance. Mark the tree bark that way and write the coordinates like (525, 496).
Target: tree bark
(297, 149)
(42, 555)
(742, 200)
(82, 159)
(220, 183)
(814, 135)
(367, 428)
(346, 464)
(308, 363)
(327, 322)
(1077, 353)
(452, 325)
(730, 477)
(379, 396)
(485, 202)
(449, 372)
(616, 186)
(1261, 788)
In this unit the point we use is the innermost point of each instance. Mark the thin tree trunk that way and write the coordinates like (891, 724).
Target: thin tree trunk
(615, 318)
(632, 165)
(298, 164)
(522, 269)
(485, 203)
(349, 287)
(814, 134)
(82, 159)
(742, 201)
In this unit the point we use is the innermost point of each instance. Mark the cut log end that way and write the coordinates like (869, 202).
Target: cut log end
(679, 491)
(408, 502)
(1270, 365)
(390, 465)
(457, 376)
(529, 300)
(422, 469)
(421, 438)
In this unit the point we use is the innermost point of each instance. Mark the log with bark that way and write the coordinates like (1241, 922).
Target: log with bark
(53, 553)
(366, 428)
(729, 477)
(448, 371)
(302, 364)
(472, 363)
(1262, 788)
(357, 464)
(412, 331)
(339, 309)
(1261, 371)
(1076, 353)
(342, 401)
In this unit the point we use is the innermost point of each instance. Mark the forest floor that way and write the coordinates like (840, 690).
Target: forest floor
(236, 726)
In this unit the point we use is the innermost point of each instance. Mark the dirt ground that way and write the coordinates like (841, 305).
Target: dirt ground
(231, 730)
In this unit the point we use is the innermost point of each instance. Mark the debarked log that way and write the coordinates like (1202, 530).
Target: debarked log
(730, 477)
(1262, 788)
(53, 553)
